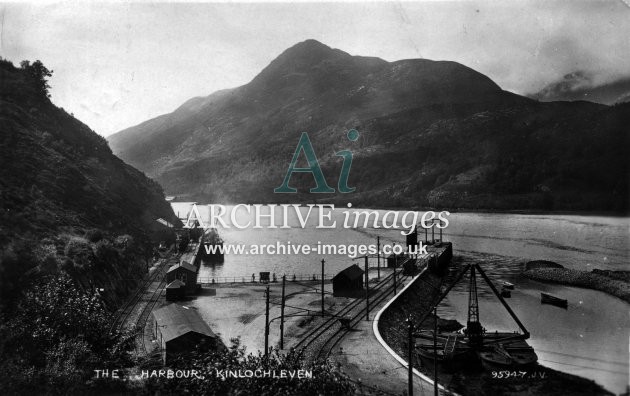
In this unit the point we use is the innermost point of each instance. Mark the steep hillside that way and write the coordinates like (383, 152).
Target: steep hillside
(432, 133)
(66, 201)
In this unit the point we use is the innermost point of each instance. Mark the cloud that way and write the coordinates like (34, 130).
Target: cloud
(118, 64)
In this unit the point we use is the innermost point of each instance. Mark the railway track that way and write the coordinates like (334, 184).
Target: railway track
(320, 341)
(122, 315)
(141, 322)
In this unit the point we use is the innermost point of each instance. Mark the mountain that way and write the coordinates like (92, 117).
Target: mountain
(580, 85)
(66, 201)
(431, 133)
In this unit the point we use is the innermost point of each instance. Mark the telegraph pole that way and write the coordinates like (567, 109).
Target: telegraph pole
(395, 265)
(284, 278)
(267, 323)
(435, 362)
(323, 261)
(410, 342)
(378, 257)
(367, 291)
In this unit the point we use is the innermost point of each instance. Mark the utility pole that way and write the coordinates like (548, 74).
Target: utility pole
(395, 265)
(435, 362)
(284, 278)
(367, 291)
(323, 261)
(378, 257)
(162, 350)
(410, 342)
(267, 323)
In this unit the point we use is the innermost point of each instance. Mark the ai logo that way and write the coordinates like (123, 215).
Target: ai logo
(313, 167)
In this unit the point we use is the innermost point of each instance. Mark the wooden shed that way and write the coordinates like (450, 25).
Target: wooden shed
(264, 277)
(186, 273)
(176, 290)
(348, 282)
(179, 330)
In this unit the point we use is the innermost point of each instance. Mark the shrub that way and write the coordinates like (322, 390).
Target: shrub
(326, 379)
(80, 252)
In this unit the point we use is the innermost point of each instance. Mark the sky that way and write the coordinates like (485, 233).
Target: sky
(117, 64)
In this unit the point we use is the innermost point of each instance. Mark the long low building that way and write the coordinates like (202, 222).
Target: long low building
(181, 329)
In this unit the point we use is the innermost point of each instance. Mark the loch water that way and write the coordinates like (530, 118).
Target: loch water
(588, 339)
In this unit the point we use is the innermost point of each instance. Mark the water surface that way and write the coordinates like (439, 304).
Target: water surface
(589, 339)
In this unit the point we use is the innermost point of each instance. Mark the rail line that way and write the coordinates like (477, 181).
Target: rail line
(148, 308)
(383, 289)
(123, 313)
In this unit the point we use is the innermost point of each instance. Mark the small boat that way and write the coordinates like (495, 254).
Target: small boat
(507, 285)
(506, 293)
(553, 300)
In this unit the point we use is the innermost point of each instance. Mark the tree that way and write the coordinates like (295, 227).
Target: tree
(39, 75)
(56, 338)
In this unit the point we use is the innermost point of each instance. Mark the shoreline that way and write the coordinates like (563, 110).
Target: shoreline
(599, 280)
(560, 212)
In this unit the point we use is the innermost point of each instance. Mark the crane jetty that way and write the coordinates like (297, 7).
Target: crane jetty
(473, 345)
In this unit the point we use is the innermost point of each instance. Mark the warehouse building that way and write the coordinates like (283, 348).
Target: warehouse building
(180, 330)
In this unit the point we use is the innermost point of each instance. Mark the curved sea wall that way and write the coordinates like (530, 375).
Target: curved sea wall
(415, 299)
(597, 280)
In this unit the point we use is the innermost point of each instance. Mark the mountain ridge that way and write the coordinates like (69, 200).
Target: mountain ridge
(235, 145)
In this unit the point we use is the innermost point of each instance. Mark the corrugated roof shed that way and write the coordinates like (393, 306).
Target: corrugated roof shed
(175, 320)
(185, 265)
(352, 272)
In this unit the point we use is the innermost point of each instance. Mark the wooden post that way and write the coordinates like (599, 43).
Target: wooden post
(395, 265)
(378, 257)
(284, 278)
(435, 362)
(367, 291)
(267, 323)
(410, 342)
(323, 261)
